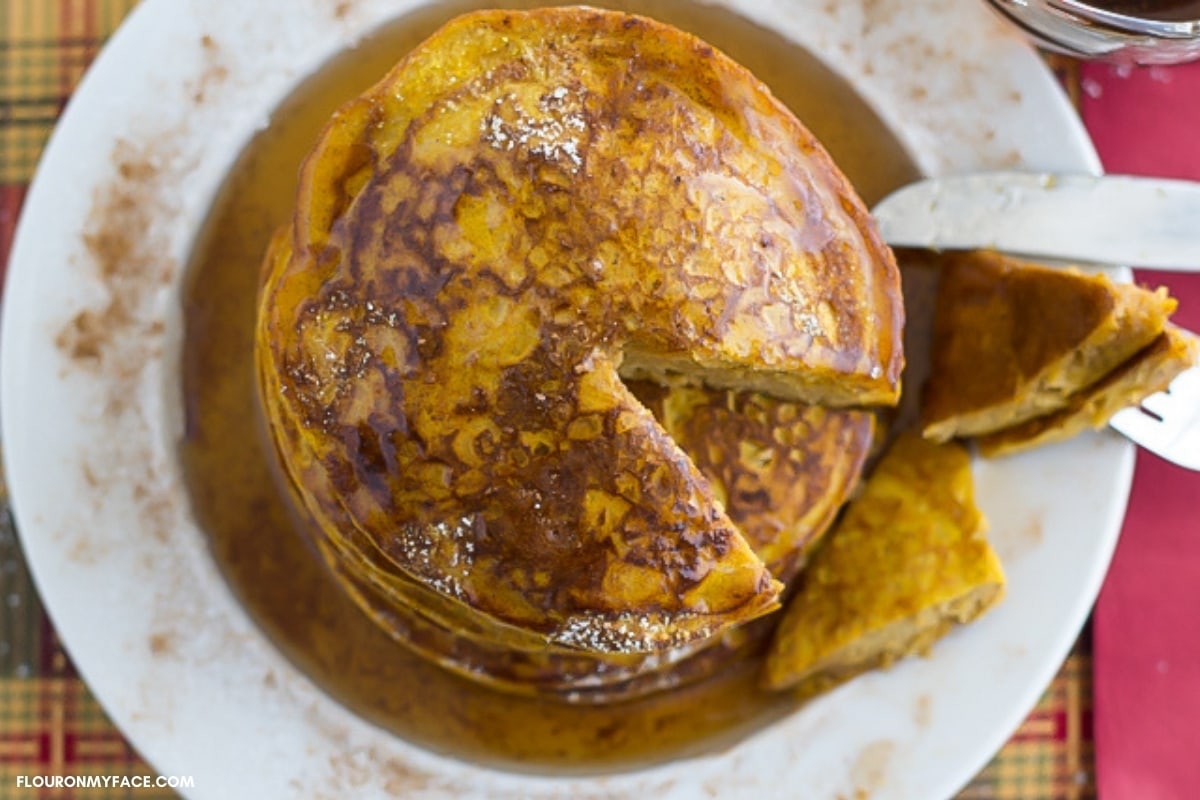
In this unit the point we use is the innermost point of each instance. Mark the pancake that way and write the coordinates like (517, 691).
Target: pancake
(906, 562)
(790, 466)
(781, 469)
(1013, 340)
(575, 676)
(1150, 370)
(591, 549)
(526, 203)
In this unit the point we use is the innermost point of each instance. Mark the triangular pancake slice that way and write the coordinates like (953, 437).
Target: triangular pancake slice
(907, 561)
(781, 469)
(1013, 340)
(1151, 370)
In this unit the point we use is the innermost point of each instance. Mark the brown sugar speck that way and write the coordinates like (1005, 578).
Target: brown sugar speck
(162, 644)
(870, 768)
(214, 72)
(1027, 538)
(156, 511)
(877, 14)
(89, 476)
(923, 710)
(354, 768)
(1011, 159)
(402, 780)
(83, 551)
(342, 9)
(87, 335)
(136, 170)
(81, 338)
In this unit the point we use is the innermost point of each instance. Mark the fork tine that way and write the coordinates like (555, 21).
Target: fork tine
(1166, 423)
(1159, 403)
(1179, 446)
(1140, 427)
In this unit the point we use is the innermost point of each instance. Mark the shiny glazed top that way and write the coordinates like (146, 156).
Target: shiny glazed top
(526, 202)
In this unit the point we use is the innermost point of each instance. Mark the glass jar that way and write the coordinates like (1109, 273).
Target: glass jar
(1129, 31)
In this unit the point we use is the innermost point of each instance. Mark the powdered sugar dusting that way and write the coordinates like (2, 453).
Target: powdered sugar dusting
(440, 554)
(812, 326)
(554, 133)
(625, 632)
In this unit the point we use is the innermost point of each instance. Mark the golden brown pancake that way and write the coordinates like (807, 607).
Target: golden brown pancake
(1150, 370)
(907, 560)
(591, 552)
(781, 469)
(529, 200)
(574, 676)
(791, 466)
(1013, 340)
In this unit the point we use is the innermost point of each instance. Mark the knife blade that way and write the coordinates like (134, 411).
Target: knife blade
(1100, 219)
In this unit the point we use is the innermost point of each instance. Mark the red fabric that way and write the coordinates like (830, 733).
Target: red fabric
(1146, 626)
(11, 197)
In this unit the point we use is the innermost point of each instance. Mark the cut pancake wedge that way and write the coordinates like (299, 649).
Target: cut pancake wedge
(1150, 370)
(906, 562)
(1013, 340)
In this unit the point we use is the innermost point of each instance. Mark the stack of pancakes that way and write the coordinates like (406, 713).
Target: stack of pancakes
(569, 349)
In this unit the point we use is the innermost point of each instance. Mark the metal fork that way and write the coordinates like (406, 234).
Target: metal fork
(1167, 423)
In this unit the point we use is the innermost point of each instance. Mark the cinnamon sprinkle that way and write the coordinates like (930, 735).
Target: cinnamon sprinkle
(129, 267)
(127, 256)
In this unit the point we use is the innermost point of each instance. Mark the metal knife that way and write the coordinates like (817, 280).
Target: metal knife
(1106, 219)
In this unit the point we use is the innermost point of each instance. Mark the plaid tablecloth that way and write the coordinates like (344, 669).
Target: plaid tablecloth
(49, 722)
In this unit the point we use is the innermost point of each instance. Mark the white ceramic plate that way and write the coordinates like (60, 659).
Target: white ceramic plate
(121, 564)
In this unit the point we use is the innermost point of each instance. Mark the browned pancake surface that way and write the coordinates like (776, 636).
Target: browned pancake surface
(906, 561)
(781, 469)
(1150, 370)
(525, 201)
(1014, 340)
